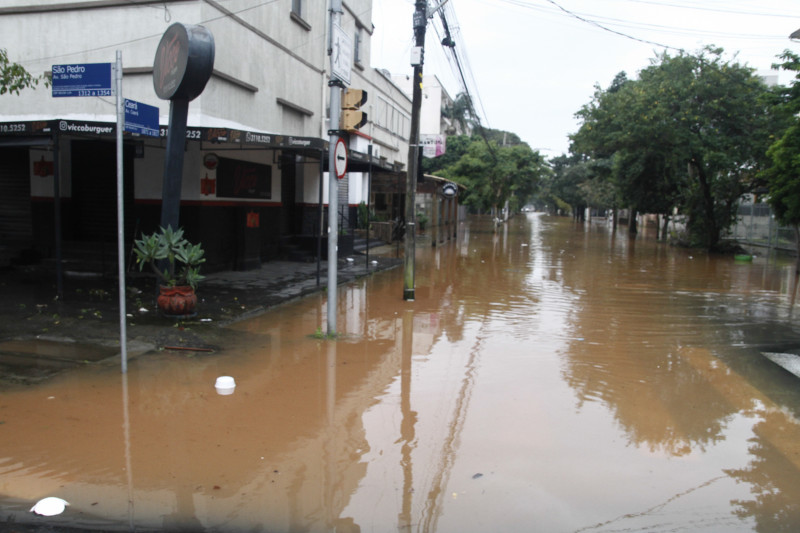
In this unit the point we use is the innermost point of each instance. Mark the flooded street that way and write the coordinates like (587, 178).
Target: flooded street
(548, 377)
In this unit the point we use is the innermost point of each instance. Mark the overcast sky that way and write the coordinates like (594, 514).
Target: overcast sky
(534, 64)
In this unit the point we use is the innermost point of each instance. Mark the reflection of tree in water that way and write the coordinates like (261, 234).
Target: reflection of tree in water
(773, 482)
(672, 412)
(628, 327)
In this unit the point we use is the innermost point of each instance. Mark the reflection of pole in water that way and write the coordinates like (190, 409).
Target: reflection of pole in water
(450, 445)
(330, 407)
(409, 420)
(126, 431)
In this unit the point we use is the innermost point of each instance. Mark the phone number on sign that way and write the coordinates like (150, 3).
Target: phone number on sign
(12, 128)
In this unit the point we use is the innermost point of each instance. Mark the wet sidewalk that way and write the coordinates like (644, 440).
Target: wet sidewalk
(41, 335)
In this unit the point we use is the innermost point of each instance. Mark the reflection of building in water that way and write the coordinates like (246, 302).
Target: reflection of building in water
(289, 449)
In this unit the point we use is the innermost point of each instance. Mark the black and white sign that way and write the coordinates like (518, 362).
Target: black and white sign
(449, 190)
(341, 55)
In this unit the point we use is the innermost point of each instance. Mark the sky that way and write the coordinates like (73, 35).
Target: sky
(532, 64)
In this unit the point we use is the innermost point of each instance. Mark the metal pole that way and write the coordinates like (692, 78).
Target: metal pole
(420, 21)
(173, 164)
(333, 188)
(369, 187)
(320, 223)
(57, 216)
(123, 345)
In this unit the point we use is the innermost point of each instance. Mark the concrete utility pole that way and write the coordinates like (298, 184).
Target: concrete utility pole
(417, 56)
(333, 181)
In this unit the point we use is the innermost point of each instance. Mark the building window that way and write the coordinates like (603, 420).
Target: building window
(296, 14)
(357, 44)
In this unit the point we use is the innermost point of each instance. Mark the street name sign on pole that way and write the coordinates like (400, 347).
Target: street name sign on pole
(141, 118)
(123, 336)
(87, 79)
(95, 79)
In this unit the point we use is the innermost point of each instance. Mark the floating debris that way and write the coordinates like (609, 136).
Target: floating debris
(225, 385)
(50, 506)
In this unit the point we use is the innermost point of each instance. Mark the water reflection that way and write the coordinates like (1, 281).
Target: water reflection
(548, 375)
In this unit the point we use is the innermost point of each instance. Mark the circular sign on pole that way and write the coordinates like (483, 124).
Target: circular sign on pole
(340, 158)
(449, 190)
(183, 63)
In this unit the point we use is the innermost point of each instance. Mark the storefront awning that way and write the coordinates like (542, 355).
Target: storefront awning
(41, 132)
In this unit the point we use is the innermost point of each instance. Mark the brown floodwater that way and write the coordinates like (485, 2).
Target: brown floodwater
(548, 377)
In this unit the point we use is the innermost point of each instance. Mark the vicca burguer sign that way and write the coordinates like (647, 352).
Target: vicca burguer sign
(182, 67)
(184, 61)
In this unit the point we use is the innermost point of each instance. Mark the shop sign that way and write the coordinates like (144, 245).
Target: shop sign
(449, 190)
(183, 63)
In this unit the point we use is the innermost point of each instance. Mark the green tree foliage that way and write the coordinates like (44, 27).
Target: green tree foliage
(491, 173)
(461, 114)
(690, 133)
(783, 175)
(13, 76)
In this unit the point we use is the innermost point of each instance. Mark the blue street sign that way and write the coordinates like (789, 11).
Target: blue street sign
(88, 79)
(141, 118)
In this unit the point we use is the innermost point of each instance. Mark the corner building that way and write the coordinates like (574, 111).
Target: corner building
(264, 113)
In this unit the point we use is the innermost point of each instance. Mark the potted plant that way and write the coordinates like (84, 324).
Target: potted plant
(422, 221)
(176, 263)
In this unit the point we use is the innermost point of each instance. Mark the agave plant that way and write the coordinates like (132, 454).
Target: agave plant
(172, 258)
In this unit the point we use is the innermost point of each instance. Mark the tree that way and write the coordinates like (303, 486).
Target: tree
(783, 176)
(13, 76)
(492, 174)
(461, 114)
(691, 131)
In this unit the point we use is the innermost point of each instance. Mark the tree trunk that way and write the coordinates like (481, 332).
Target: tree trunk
(632, 229)
(665, 228)
(712, 232)
(797, 244)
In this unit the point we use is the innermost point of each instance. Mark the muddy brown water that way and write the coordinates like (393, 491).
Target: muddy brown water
(548, 377)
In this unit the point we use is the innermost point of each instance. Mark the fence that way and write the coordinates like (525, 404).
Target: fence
(756, 226)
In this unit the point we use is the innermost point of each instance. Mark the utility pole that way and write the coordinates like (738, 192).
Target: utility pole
(417, 56)
(333, 181)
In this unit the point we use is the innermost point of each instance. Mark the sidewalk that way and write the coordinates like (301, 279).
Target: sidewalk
(88, 314)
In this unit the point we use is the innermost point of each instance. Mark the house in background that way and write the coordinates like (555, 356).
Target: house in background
(263, 113)
(436, 201)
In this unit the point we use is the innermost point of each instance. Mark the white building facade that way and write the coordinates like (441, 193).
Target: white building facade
(263, 114)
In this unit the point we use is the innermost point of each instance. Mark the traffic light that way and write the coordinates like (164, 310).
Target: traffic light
(352, 117)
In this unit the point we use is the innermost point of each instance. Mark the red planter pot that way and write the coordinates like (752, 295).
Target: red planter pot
(178, 301)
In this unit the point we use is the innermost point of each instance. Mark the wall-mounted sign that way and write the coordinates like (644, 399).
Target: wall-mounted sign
(183, 63)
(449, 190)
(43, 168)
(210, 161)
(243, 179)
(433, 145)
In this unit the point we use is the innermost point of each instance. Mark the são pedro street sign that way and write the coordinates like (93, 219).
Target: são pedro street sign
(95, 79)
(88, 79)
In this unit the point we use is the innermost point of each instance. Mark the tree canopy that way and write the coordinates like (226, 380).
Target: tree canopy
(13, 76)
(493, 173)
(691, 133)
(783, 174)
